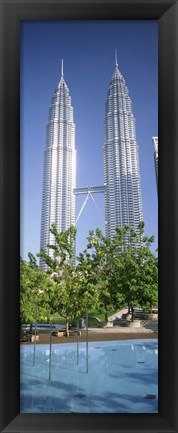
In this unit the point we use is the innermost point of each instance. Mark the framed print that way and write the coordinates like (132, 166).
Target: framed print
(17, 17)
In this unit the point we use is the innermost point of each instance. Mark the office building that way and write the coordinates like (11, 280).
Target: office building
(59, 174)
(155, 144)
(123, 202)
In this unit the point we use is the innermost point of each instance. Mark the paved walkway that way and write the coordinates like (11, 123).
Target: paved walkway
(100, 334)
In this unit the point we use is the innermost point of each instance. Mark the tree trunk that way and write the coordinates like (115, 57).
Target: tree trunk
(132, 312)
(67, 327)
(106, 312)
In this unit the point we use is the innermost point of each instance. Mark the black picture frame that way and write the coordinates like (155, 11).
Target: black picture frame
(12, 12)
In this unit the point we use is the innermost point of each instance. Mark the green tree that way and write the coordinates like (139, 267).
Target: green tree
(62, 250)
(36, 291)
(100, 260)
(122, 268)
(139, 276)
(73, 293)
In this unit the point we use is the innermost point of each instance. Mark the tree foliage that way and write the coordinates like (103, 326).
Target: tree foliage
(111, 272)
(36, 292)
(140, 270)
(73, 293)
(100, 260)
(62, 251)
(122, 268)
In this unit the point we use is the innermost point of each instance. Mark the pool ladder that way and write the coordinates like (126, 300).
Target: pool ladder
(50, 347)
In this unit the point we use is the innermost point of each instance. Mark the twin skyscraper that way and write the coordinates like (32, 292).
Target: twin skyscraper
(122, 192)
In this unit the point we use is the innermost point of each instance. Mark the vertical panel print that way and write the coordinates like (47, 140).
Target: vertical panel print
(89, 235)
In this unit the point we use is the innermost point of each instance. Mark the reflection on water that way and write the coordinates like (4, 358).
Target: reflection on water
(121, 375)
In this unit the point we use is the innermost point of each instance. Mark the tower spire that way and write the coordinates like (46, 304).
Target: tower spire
(116, 64)
(62, 71)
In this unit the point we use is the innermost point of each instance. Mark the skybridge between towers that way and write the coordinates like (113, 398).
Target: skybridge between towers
(88, 191)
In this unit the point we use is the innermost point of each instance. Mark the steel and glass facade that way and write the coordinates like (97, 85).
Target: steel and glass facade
(123, 202)
(59, 174)
(122, 191)
(155, 144)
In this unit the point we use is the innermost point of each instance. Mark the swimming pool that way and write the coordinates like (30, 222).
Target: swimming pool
(122, 378)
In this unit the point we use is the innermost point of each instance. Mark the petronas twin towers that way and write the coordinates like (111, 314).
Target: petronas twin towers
(59, 174)
(123, 204)
(122, 192)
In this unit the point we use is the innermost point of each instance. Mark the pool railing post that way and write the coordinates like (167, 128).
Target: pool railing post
(87, 343)
(50, 350)
(77, 342)
(34, 351)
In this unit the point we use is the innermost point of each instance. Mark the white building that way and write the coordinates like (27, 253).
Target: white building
(123, 202)
(59, 175)
(155, 143)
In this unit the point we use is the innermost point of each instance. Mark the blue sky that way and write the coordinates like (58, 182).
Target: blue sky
(87, 48)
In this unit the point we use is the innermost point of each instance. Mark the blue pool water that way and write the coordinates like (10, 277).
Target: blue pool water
(122, 378)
